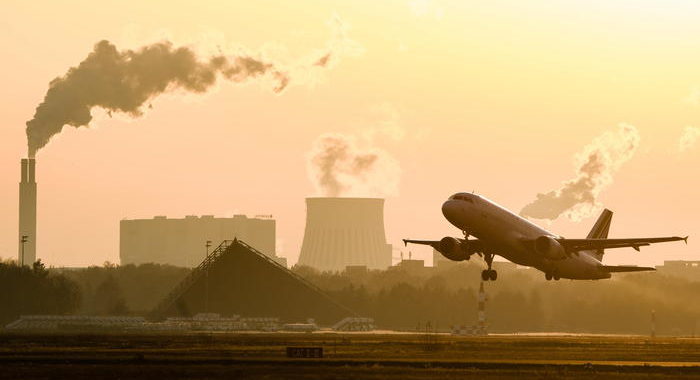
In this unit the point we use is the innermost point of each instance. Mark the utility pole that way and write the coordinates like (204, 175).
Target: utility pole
(206, 279)
(24, 240)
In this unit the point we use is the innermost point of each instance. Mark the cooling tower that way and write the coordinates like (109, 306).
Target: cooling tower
(27, 214)
(345, 231)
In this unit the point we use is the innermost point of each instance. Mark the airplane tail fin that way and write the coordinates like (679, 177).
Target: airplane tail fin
(600, 230)
(602, 226)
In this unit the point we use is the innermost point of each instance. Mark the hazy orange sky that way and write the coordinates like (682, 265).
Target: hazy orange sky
(491, 96)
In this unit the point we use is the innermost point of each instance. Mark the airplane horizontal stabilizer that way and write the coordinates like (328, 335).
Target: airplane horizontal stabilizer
(432, 243)
(625, 268)
(575, 245)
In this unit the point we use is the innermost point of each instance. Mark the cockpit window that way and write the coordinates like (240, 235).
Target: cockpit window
(463, 198)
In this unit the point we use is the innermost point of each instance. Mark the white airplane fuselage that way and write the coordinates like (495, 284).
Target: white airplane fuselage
(504, 234)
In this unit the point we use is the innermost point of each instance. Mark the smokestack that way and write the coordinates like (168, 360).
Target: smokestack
(345, 231)
(27, 213)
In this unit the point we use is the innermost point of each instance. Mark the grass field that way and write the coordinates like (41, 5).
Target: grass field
(346, 356)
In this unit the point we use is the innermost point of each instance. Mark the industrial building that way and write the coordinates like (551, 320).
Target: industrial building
(442, 262)
(27, 213)
(413, 267)
(182, 242)
(342, 232)
(689, 270)
(237, 279)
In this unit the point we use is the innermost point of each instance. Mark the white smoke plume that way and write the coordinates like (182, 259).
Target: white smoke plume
(124, 81)
(595, 166)
(689, 137)
(338, 166)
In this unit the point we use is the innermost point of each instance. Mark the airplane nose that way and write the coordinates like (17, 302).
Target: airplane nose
(448, 209)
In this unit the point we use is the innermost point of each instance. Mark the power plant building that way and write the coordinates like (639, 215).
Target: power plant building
(27, 213)
(181, 242)
(343, 232)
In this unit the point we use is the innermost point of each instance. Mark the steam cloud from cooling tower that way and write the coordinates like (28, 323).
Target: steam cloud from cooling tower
(339, 167)
(595, 166)
(123, 81)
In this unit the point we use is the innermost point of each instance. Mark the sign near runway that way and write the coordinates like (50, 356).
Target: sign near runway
(304, 352)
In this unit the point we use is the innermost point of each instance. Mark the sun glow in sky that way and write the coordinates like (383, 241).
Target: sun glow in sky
(492, 96)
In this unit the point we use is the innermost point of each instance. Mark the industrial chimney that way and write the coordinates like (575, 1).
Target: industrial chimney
(27, 214)
(345, 231)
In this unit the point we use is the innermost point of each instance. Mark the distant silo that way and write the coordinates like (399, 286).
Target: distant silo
(345, 231)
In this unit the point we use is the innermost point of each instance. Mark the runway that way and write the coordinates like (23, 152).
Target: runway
(386, 356)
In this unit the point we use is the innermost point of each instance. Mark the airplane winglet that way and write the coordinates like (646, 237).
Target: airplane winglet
(405, 242)
(685, 239)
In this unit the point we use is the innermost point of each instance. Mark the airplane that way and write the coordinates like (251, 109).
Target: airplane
(498, 231)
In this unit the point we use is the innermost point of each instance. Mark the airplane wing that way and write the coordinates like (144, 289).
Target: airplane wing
(624, 268)
(575, 245)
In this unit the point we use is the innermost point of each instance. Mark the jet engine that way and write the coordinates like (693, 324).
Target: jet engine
(454, 249)
(548, 247)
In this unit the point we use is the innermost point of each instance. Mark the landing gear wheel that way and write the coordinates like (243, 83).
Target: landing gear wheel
(489, 274)
(555, 276)
(548, 276)
(485, 276)
(493, 275)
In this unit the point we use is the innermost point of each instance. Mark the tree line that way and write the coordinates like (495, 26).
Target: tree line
(520, 301)
(34, 290)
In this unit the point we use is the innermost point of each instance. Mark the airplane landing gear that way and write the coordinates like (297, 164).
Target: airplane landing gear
(489, 274)
(552, 276)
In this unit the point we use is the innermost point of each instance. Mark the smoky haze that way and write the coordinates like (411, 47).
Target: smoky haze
(123, 81)
(337, 166)
(688, 139)
(595, 166)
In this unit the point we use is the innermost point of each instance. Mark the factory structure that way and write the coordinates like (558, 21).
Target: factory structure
(342, 232)
(236, 272)
(689, 270)
(183, 242)
(237, 279)
(27, 213)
